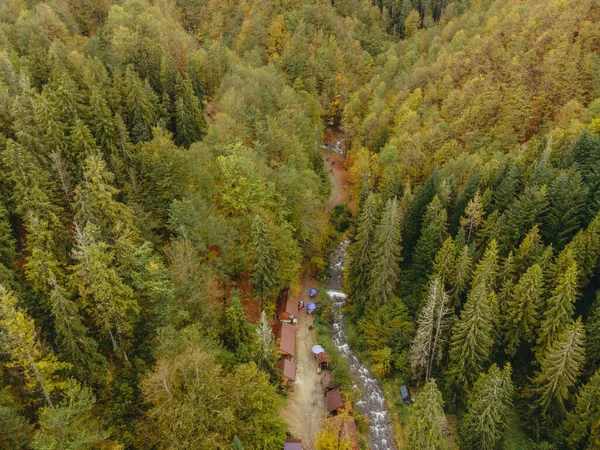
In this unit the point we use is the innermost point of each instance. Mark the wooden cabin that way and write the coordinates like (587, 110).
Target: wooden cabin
(285, 334)
(322, 361)
(287, 308)
(289, 370)
(334, 401)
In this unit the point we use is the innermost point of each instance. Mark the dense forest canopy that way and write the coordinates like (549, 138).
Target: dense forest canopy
(161, 169)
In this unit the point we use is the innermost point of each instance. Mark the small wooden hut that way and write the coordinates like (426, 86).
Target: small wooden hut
(289, 370)
(285, 334)
(334, 401)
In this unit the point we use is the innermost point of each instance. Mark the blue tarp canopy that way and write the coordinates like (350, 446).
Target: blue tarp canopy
(404, 392)
(313, 291)
(311, 306)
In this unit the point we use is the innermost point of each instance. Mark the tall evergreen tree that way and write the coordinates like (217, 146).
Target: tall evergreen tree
(581, 429)
(462, 274)
(473, 215)
(433, 234)
(362, 250)
(523, 308)
(560, 307)
(264, 273)
(523, 213)
(560, 367)
(38, 366)
(189, 121)
(427, 421)
(489, 403)
(386, 254)
(429, 341)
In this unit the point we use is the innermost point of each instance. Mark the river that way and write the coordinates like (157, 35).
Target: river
(372, 403)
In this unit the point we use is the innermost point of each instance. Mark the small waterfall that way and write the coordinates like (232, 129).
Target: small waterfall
(372, 403)
(336, 148)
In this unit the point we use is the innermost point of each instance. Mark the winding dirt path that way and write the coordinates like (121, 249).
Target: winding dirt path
(305, 408)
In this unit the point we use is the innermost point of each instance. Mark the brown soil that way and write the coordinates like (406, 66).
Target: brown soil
(340, 182)
(305, 409)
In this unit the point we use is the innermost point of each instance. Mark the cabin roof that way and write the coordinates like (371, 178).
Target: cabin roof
(286, 334)
(334, 400)
(404, 392)
(292, 444)
(288, 305)
(322, 358)
(288, 367)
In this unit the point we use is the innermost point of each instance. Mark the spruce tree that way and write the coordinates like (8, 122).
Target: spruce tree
(523, 308)
(362, 250)
(71, 424)
(523, 213)
(560, 307)
(473, 337)
(445, 263)
(433, 234)
(429, 341)
(560, 366)
(473, 215)
(581, 429)
(592, 327)
(462, 274)
(189, 121)
(264, 273)
(386, 254)
(38, 366)
(489, 403)
(427, 421)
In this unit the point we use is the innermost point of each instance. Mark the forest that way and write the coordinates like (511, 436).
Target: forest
(162, 181)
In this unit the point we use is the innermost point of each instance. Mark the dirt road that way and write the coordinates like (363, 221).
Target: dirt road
(305, 409)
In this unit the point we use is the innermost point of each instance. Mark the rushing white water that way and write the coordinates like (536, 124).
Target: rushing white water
(336, 148)
(372, 403)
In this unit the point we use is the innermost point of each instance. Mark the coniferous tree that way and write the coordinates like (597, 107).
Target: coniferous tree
(189, 121)
(489, 403)
(264, 274)
(523, 213)
(523, 308)
(432, 238)
(38, 366)
(560, 366)
(72, 423)
(445, 263)
(266, 353)
(386, 254)
(462, 274)
(592, 328)
(473, 215)
(581, 429)
(473, 337)
(362, 250)
(559, 309)
(427, 421)
(429, 341)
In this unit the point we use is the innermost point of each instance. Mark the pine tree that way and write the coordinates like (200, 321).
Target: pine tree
(101, 123)
(38, 366)
(592, 327)
(237, 331)
(264, 273)
(560, 366)
(362, 250)
(140, 109)
(473, 215)
(432, 238)
(486, 270)
(505, 192)
(581, 429)
(523, 308)
(585, 248)
(386, 254)
(429, 341)
(427, 421)
(489, 403)
(560, 307)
